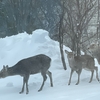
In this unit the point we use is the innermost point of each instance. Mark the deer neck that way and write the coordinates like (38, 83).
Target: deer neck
(71, 60)
(11, 71)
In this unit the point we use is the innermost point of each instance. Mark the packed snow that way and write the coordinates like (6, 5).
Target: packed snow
(17, 47)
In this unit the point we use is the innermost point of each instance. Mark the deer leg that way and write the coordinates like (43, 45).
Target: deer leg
(23, 85)
(70, 76)
(96, 68)
(50, 76)
(92, 72)
(25, 81)
(78, 72)
(27, 90)
(44, 79)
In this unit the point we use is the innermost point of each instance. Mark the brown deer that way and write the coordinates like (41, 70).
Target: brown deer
(94, 50)
(77, 63)
(25, 67)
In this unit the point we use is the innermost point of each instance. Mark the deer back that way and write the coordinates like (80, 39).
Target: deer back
(87, 62)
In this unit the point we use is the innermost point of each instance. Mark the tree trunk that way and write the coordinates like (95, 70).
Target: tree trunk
(62, 55)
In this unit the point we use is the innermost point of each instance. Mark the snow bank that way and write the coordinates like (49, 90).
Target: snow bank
(23, 45)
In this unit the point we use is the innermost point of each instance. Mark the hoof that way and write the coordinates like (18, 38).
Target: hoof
(89, 81)
(51, 85)
(76, 83)
(27, 92)
(20, 92)
(68, 83)
(39, 90)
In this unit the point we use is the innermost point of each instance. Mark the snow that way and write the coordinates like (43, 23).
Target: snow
(15, 48)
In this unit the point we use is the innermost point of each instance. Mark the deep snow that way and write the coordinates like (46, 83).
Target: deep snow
(15, 48)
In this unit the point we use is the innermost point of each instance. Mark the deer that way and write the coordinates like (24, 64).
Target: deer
(28, 66)
(77, 63)
(94, 50)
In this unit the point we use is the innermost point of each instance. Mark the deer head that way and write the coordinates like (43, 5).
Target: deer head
(4, 71)
(69, 54)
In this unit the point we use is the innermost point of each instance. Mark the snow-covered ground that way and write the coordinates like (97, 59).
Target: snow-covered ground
(15, 48)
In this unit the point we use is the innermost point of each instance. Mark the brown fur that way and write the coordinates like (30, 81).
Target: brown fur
(77, 63)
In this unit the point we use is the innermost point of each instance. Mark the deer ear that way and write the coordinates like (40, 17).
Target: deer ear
(3, 66)
(74, 53)
(66, 51)
(6, 66)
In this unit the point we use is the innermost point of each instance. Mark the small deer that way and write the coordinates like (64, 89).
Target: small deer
(25, 67)
(94, 50)
(77, 63)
